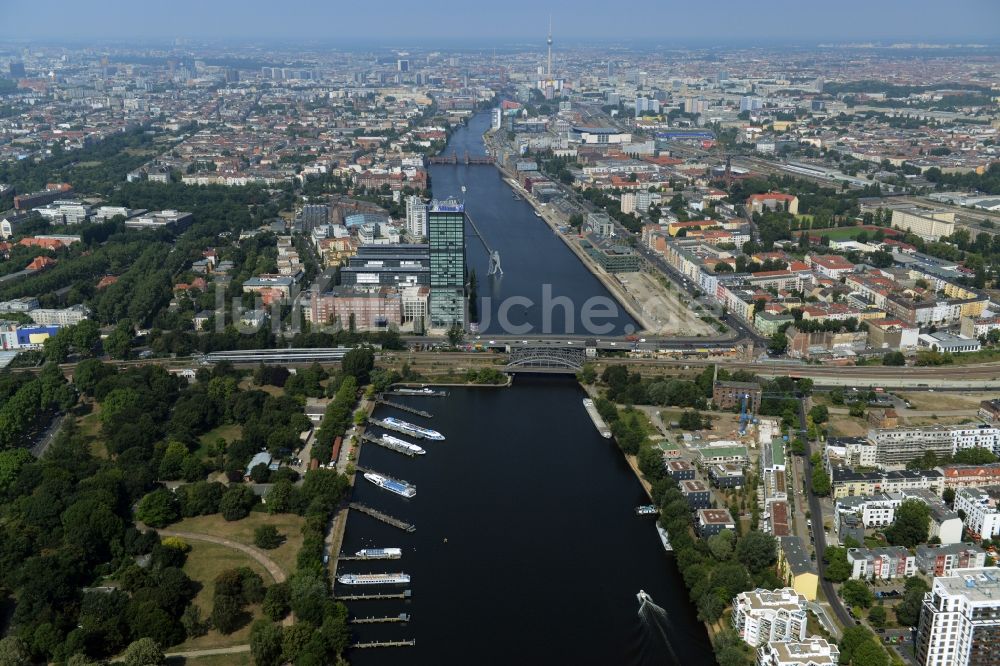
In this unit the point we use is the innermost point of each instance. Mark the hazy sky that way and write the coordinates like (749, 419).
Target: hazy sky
(499, 22)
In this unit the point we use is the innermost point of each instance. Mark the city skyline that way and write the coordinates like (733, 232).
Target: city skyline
(774, 22)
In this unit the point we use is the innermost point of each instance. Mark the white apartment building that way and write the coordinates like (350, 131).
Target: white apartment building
(874, 511)
(981, 515)
(894, 447)
(59, 317)
(960, 619)
(927, 223)
(416, 217)
(814, 651)
(763, 616)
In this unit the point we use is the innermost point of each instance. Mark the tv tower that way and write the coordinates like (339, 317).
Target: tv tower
(548, 72)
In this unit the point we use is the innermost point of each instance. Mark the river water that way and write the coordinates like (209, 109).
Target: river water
(527, 549)
(531, 254)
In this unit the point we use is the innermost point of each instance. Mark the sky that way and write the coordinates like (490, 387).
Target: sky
(494, 23)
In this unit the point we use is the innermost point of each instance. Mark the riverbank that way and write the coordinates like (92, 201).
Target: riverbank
(616, 290)
(345, 464)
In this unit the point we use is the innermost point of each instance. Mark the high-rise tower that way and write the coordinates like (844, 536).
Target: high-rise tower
(548, 70)
(446, 240)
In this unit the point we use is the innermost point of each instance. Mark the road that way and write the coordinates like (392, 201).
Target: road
(194, 654)
(41, 446)
(819, 533)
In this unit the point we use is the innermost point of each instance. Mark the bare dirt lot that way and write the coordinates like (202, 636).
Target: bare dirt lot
(662, 308)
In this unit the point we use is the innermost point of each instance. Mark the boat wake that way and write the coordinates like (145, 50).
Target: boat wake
(656, 623)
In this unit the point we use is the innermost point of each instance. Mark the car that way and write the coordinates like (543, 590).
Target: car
(493, 342)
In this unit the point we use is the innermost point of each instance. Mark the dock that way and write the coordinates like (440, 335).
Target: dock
(379, 644)
(402, 617)
(406, 408)
(375, 596)
(384, 517)
(378, 441)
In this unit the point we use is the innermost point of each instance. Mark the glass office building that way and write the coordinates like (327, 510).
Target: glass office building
(446, 239)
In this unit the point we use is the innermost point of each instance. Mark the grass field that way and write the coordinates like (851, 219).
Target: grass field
(847, 426)
(204, 563)
(227, 431)
(839, 233)
(241, 531)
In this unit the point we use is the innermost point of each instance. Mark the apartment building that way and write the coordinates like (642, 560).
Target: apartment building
(59, 317)
(938, 560)
(762, 616)
(980, 507)
(960, 619)
(814, 651)
(894, 447)
(848, 482)
(971, 476)
(928, 223)
(881, 563)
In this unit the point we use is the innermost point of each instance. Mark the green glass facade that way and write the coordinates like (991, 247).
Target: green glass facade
(446, 238)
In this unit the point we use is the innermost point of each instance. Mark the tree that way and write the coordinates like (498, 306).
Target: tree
(895, 358)
(877, 616)
(267, 537)
(265, 643)
(908, 610)
(721, 545)
(14, 652)
(277, 601)
(359, 363)
(820, 481)
(911, 526)
(778, 343)
(857, 409)
(118, 344)
(143, 652)
(856, 593)
(455, 335)
(158, 509)
(236, 502)
(820, 414)
(228, 614)
(837, 568)
(757, 550)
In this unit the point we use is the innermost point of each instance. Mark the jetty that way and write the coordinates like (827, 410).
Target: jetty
(406, 408)
(384, 517)
(378, 441)
(374, 596)
(379, 644)
(402, 617)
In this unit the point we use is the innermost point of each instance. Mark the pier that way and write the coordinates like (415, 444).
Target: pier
(378, 441)
(388, 426)
(402, 617)
(378, 644)
(406, 408)
(375, 596)
(384, 517)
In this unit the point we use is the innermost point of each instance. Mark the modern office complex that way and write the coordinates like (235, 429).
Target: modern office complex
(446, 237)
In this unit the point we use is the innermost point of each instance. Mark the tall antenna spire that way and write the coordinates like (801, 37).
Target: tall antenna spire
(548, 73)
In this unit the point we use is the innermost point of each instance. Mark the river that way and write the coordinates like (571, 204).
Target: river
(531, 254)
(527, 549)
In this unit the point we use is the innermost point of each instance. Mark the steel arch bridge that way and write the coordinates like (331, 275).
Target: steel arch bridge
(551, 359)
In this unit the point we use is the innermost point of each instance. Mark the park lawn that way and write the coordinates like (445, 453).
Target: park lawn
(227, 431)
(90, 428)
(839, 233)
(204, 563)
(241, 531)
